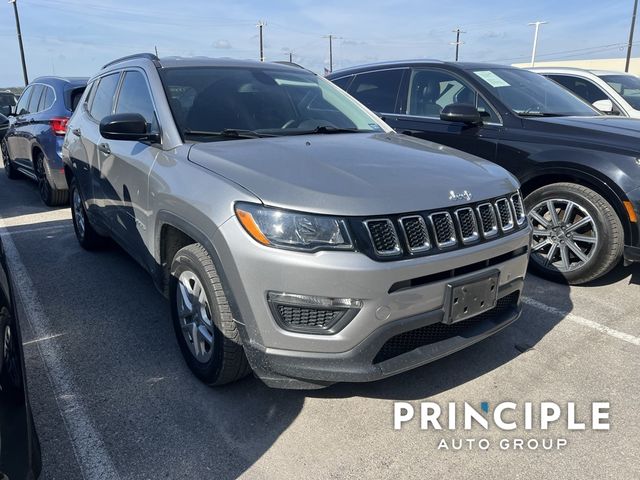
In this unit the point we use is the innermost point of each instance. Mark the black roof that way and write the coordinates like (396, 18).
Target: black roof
(413, 63)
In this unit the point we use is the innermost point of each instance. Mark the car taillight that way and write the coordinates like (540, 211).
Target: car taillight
(59, 125)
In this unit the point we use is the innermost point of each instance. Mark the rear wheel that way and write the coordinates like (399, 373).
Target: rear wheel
(51, 197)
(202, 320)
(9, 169)
(577, 235)
(88, 238)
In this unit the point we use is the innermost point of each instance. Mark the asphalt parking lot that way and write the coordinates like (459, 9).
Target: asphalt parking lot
(112, 397)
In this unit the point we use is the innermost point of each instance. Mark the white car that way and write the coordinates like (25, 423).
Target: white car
(614, 93)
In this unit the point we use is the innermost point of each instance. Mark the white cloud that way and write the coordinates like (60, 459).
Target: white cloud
(222, 44)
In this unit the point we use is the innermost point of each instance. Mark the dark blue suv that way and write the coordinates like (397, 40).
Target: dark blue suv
(33, 142)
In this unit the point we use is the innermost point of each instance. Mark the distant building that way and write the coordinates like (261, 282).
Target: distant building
(615, 64)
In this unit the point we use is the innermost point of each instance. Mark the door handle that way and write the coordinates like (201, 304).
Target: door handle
(77, 132)
(104, 148)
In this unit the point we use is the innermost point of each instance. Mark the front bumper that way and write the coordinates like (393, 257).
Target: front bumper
(291, 359)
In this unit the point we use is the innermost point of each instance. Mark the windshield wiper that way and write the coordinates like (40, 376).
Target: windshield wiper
(227, 133)
(325, 129)
(542, 114)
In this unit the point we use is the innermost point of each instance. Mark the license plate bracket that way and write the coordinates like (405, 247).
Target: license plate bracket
(470, 297)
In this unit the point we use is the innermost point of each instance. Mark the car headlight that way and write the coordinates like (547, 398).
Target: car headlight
(293, 230)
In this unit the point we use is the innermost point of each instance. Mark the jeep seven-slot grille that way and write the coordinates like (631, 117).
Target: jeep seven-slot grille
(427, 233)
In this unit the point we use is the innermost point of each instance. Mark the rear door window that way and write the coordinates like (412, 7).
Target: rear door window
(378, 90)
(35, 98)
(105, 92)
(46, 99)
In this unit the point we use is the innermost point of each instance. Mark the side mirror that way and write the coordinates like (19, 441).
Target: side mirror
(605, 106)
(126, 126)
(461, 112)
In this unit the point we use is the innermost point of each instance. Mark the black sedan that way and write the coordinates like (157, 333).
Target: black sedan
(19, 447)
(580, 170)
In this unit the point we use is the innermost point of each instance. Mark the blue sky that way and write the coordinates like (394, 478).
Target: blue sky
(75, 37)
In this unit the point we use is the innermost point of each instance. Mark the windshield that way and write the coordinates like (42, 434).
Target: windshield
(628, 86)
(219, 103)
(530, 94)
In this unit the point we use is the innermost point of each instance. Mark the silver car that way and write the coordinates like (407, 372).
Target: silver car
(295, 234)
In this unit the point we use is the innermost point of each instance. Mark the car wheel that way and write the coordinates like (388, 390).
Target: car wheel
(88, 238)
(577, 235)
(49, 195)
(202, 320)
(9, 170)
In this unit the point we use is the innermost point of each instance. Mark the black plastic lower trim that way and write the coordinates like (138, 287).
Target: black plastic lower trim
(631, 254)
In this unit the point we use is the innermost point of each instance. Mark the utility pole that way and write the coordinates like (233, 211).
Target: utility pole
(260, 26)
(156, 48)
(290, 55)
(331, 38)
(535, 41)
(24, 63)
(633, 24)
(457, 43)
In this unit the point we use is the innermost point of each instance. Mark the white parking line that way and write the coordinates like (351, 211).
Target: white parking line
(89, 449)
(582, 321)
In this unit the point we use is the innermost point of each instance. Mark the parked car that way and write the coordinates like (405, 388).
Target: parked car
(19, 446)
(613, 93)
(4, 126)
(7, 103)
(579, 169)
(294, 233)
(33, 143)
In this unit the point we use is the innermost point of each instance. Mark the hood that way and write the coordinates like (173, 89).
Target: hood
(353, 174)
(616, 132)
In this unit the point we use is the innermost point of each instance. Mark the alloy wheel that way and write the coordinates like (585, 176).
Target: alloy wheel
(565, 235)
(194, 314)
(78, 213)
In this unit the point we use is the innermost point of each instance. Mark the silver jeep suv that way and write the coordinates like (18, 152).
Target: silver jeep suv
(295, 234)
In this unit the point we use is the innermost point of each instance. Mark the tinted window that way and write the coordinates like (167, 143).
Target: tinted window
(626, 85)
(135, 98)
(102, 104)
(278, 101)
(432, 90)
(21, 109)
(581, 87)
(73, 98)
(530, 94)
(46, 99)
(35, 98)
(343, 82)
(378, 90)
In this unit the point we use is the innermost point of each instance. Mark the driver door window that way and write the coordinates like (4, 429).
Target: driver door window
(432, 90)
(135, 98)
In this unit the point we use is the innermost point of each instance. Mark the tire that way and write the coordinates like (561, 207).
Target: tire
(50, 196)
(224, 361)
(9, 170)
(87, 236)
(592, 228)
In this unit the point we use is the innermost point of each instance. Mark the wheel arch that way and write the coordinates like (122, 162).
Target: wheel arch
(603, 186)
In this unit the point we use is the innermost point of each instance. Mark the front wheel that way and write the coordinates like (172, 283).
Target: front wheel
(577, 235)
(202, 320)
(9, 169)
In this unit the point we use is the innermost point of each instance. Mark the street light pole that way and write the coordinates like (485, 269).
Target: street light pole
(535, 41)
(24, 63)
(633, 24)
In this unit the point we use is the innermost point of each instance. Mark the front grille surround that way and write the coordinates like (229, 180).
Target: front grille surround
(518, 208)
(385, 242)
(468, 225)
(444, 229)
(415, 233)
(505, 215)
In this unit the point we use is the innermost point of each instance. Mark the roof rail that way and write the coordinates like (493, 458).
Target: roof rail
(149, 56)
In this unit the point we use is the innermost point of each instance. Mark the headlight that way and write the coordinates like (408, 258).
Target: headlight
(293, 230)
